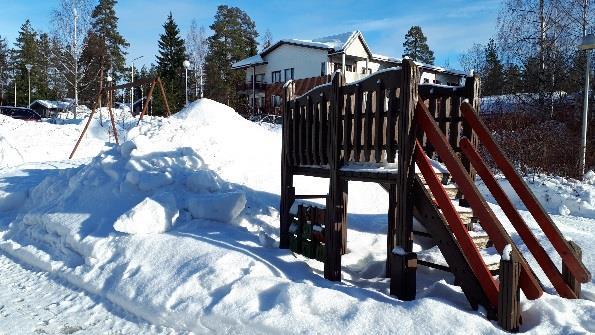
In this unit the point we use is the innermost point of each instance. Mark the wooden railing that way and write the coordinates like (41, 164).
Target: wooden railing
(443, 104)
(488, 220)
(367, 112)
(569, 256)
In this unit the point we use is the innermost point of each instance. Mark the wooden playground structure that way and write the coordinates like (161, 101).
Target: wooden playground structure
(387, 129)
(109, 98)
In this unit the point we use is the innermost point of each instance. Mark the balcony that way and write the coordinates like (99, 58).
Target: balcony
(247, 86)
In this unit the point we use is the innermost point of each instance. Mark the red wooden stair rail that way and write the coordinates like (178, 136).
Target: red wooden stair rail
(551, 231)
(528, 282)
(478, 266)
(548, 266)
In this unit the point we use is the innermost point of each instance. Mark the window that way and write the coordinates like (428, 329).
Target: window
(260, 78)
(276, 77)
(276, 100)
(348, 67)
(322, 69)
(364, 70)
(288, 74)
(426, 81)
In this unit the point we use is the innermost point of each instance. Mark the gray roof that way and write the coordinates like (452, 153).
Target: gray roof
(334, 43)
(52, 104)
(247, 62)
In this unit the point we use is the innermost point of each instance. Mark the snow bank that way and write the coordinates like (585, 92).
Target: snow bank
(558, 195)
(11, 200)
(198, 275)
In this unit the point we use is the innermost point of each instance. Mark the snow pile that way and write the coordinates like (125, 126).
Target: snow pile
(179, 226)
(558, 195)
(53, 139)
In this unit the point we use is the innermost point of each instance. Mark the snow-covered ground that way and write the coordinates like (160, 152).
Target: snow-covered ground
(37, 302)
(178, 226)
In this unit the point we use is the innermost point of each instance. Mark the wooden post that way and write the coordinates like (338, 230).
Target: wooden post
(345, 191)
(472, 92)
(392, 226)
(96, 104)
(149, 98)
(337, 192)
(287, 189)
(163, 96)
(403, 274)
(509, 308)
(570, 280)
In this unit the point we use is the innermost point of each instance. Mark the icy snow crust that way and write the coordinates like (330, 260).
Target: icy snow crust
(179, 226)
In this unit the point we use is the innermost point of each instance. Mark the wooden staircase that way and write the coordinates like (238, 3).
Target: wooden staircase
(479, 236)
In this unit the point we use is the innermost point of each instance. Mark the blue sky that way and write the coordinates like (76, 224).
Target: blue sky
(451, 26)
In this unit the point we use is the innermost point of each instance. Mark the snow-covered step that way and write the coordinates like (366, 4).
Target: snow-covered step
(433, 258)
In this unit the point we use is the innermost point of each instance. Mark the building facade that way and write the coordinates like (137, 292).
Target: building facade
(311, 63)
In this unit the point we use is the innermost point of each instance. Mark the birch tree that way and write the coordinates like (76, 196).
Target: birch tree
(198, 47)
(70, 26)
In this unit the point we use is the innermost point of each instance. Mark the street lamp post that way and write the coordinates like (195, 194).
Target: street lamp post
(29, 66)
(14, 74)
(587, 44)
(186, 66)
(132, 88)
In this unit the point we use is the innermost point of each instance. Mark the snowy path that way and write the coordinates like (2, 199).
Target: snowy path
(33, 302)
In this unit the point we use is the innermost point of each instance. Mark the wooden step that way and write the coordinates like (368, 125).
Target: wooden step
(443, 177)
(433, 258)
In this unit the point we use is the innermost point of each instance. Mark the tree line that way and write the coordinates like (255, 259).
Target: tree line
(84, 47)
(534, 50)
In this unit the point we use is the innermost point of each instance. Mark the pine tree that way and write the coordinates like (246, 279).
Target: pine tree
(234, 39)
(4, 70)
(172, 53)
(493, 81)
(26, 52)
(104, 49)
(416, 46)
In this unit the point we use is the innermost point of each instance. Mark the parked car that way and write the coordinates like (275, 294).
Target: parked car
(267, 118)
(20, 113)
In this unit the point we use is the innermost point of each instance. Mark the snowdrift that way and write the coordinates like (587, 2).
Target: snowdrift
(179, 226)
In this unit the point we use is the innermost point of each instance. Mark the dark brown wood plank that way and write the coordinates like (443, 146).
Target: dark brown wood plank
(379, 121)
(302, 136)
(357, 125)
(433, 108)
(335, 203)
(347, 118)
(323, 129)
(443, 113)
(406, 166)
(368, 127)
(391, 121)
(308, 133)
(455, 122)
(569, 279)
(315, 134)
(295, 143)
(509, 295)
